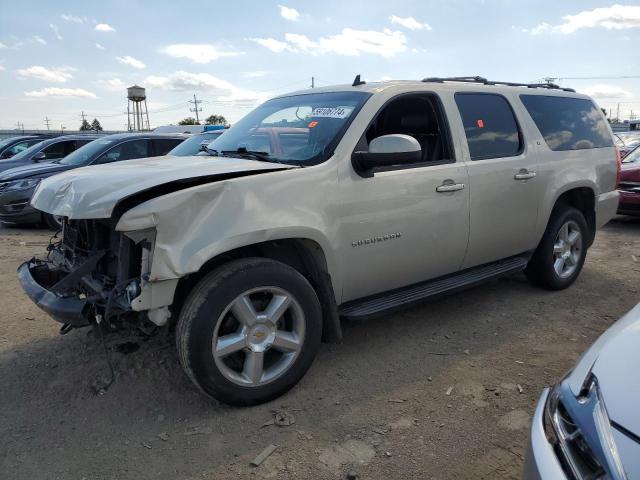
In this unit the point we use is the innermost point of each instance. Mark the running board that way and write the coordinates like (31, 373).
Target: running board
(401, 298)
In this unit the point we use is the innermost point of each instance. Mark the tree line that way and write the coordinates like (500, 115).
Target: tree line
(210, 120)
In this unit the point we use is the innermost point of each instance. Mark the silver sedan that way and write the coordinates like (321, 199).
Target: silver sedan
(588, 425)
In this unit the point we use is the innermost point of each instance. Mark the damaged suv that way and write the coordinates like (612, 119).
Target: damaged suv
(345, 201)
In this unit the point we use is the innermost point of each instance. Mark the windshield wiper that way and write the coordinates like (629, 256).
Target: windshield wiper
(253, 154)
(210, 151)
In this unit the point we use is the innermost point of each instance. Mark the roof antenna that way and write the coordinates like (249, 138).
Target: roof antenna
(357, 81)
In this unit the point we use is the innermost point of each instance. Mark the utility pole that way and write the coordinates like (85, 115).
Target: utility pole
(83, 115)
(20, 126)
(618, 114)
(313, 82)
(62, 129)
(47, 121)
(195, 108)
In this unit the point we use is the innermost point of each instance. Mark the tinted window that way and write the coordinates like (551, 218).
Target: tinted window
(126, 151)
(489, 124)
(19, 147)
(59, 150)
(568, 123)
(85, 155)
(164, 145)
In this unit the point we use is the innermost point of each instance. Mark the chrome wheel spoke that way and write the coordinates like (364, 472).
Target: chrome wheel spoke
(573, 237)
(564, 232)
(228, 344)
(558, 247)
(559, 265)
(286, 341)
(276, 308)
(253, 366)
(242, 309)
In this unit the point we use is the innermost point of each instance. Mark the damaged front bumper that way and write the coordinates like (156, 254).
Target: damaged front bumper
(38, 280)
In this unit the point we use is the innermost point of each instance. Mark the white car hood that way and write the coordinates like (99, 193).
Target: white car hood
(615, 361)
(93, 192)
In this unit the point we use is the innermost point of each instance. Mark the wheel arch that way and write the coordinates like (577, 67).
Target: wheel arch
(581, 197)
(303, 254)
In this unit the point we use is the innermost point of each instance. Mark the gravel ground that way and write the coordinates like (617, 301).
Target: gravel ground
(429, 393)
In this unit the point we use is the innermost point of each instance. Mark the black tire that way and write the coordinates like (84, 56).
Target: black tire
(204, 307)
(540, 271)
(51, 221)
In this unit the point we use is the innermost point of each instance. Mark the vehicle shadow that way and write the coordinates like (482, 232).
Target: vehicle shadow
(51, 401)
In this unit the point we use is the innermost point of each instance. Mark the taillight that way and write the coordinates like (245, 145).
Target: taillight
(619, 162)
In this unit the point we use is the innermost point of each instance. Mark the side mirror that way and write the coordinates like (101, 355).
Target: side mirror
(6, 155)
(388, 150)
(38, 157)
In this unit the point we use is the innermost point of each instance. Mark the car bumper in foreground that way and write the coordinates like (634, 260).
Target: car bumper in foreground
(541, 462)
(37, 280)
(629, 203)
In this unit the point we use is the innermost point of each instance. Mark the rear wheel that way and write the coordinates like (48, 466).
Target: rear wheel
(249, 331)
(559, 258)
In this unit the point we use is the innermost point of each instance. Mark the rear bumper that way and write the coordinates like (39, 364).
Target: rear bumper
(541, 462)
(606, 207)
(36, 278)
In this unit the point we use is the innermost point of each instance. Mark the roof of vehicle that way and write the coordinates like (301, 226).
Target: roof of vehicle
(64, 138)
(444, 84)
(124, 136)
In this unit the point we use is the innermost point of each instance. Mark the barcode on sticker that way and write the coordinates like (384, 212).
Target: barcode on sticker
(331, 112)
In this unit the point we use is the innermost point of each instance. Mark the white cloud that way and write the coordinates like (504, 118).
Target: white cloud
(104, 27)
(128, 60)
(73, 18)
(2, 69)
(198, 53)
(60, 92)
(2, 45)
(99, 47)
(349, 42)
(255, 74)
(409, 22)
(39, 39)
(223, 90)
(272, 44)
(56, 32)
(289, 13)
(113, 84)
(606, 91)
(58, 75)
(615, 17)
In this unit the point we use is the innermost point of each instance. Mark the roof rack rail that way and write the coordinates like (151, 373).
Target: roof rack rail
(484, 81)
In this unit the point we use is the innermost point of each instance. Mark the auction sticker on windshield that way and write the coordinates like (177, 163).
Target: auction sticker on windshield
(331, 112)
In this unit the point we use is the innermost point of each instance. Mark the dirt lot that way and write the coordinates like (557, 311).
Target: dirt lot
(375, 405)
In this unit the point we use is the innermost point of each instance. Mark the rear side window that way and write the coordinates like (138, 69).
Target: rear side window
(59, 149)
(490, 125)
(164, 145)
(568, 123)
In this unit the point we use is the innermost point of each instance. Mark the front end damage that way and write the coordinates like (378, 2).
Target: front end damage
(92, 274)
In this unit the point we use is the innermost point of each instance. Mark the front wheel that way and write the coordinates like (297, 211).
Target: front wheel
(54, 222)
(559, 258)
(249, 331)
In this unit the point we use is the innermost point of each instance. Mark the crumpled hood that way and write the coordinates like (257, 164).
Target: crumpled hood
(615, 361)
(93, 192)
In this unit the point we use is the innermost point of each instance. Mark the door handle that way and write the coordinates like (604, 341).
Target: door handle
(449, 187)
(524, 174)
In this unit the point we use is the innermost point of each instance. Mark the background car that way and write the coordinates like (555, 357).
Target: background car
(587, 426)
(13, 145)
(626, 142)
(47, 150)
(630, 184)
(17, 185)
(195, 144)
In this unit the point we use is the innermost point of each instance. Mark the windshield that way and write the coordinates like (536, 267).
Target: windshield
(28, 152)
(633, 157)
(6, 141)
(191, 146)
(86, 154)
(300, 129)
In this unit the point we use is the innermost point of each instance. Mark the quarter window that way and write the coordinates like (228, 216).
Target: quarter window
(568, 123)
(490, 125)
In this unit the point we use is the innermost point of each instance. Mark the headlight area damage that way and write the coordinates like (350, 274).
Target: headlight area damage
(93, 273)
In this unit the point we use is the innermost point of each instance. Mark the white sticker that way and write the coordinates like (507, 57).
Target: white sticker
(331, 112)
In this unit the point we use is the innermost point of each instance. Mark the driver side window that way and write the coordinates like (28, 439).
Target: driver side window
(128, 150)
(420, 116)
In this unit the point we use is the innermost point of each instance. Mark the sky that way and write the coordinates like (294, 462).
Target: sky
(60, 59)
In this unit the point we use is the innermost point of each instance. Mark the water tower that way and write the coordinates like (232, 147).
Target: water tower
(137, 113)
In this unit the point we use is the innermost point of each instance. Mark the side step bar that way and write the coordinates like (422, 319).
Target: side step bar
(401, 298)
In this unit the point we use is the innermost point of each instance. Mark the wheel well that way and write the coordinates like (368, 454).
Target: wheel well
(582, 198)
(304, 255)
